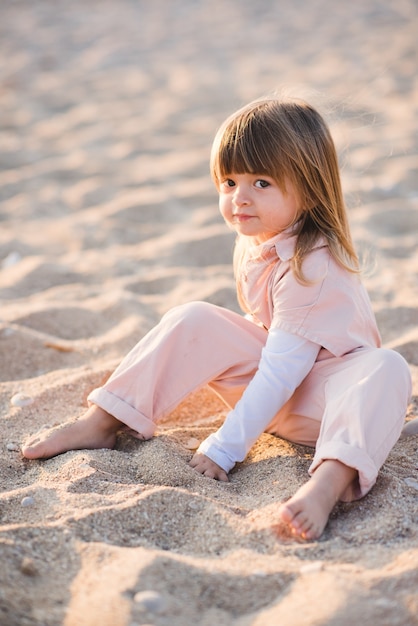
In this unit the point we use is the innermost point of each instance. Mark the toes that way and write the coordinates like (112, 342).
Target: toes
(301, 521)
(314, 532)
(30, 453)
(294, 515)
(302, 526)
(28, 445)
(286, 513)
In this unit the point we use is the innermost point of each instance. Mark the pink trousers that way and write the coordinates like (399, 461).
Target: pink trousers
(350, 408)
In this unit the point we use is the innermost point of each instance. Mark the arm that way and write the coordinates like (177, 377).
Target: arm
(285, 361)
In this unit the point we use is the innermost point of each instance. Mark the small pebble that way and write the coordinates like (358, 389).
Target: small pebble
(20, 399)
(312, 568)
(11, 259)
(28, 567)
(27, 501)
(12, 447)
(385, 603)
(193, 443)
(411, 482)
(150, 601)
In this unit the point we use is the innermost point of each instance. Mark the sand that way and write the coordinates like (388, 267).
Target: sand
(108, 219)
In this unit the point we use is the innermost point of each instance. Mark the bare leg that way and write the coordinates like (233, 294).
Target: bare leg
(307, 512)
(95, 429)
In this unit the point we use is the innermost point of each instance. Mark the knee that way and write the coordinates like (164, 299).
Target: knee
(191, 314)
(396, 369)
(392, 360)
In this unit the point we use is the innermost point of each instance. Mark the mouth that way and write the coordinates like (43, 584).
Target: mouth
(241, 218)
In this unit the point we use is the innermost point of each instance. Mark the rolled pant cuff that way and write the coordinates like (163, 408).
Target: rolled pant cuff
(122, 411)
(352, 457)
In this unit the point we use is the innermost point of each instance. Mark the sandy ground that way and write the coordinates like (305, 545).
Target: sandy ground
(108, 219)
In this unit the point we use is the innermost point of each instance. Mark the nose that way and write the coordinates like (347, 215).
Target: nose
(241, 196)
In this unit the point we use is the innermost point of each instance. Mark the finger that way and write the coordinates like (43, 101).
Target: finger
(217, 474)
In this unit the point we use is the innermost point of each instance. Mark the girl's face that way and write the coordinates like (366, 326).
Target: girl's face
(255, 206)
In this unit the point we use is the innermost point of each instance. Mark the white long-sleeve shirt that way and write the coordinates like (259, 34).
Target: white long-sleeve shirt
(286, 360)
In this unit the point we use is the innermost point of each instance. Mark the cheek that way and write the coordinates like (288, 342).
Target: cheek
(225, 208)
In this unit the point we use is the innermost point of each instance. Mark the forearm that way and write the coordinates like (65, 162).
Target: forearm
(285, 362)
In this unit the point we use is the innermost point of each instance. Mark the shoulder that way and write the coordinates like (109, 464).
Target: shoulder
(327, 282)
(318, 264)
(316, 267)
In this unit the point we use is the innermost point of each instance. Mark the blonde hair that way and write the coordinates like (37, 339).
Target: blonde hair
(289, 139)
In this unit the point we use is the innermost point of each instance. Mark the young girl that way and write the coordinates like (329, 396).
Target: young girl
(305, 362)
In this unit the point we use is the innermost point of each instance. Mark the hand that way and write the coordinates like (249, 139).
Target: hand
(204, 465)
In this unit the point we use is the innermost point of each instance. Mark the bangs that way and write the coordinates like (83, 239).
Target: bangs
(245, 145)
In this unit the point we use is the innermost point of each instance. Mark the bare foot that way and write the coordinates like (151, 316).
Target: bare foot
(204, 465)
(95, 429)
(307, 512)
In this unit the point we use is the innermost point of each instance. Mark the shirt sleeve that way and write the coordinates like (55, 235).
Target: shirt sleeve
(285, 361)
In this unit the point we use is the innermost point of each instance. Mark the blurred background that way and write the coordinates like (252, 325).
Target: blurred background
(108, 110)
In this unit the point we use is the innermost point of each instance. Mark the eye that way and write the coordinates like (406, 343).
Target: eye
(261, 183)
(228, 182)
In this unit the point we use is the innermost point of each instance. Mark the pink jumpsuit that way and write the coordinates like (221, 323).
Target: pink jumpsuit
(350, 407)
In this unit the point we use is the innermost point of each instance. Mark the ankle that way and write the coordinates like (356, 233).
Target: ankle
(104, 420)
(335, 477)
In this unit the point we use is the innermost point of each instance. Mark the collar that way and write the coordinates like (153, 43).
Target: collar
(282, 246)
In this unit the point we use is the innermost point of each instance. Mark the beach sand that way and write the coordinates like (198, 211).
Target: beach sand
(108, 219)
